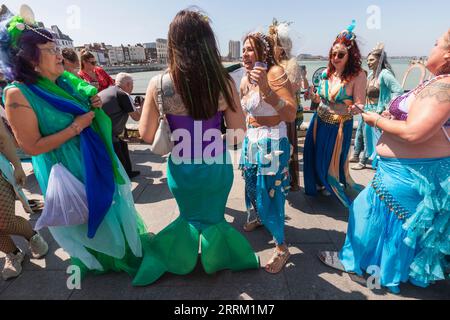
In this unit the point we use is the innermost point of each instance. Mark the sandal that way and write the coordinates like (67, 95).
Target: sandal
(252, 225)
(331, 259)
(36, 205)
(278, 261)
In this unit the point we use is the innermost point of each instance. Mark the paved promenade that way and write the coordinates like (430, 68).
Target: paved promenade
(312, 225)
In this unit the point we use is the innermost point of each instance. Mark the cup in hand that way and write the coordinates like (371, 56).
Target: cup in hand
(259, 64)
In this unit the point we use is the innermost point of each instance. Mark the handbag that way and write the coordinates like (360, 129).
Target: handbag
(162, 144)
(65, 200)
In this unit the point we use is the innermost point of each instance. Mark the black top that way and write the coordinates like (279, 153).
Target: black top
(117, 105)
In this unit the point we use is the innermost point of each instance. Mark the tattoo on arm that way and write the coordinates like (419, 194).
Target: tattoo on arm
(15, 105)
(438, 90)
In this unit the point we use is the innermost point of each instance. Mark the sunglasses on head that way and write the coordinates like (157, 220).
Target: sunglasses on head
(339, 55)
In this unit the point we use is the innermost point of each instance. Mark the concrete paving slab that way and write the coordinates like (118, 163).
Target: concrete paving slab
(312, 224)
(38, 285)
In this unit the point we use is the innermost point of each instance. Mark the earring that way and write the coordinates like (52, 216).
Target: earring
(37, 69)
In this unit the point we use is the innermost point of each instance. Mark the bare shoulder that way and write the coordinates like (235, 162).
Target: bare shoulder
(153, 82)
(439, 91)
(276, 72)
(361, 76)
(15, 99)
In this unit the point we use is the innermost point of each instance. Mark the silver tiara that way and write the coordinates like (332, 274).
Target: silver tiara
(38, 32)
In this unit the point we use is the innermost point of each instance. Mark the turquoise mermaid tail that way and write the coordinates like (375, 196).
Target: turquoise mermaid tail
(201, 191)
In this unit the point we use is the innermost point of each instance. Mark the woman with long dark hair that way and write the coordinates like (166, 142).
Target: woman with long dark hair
(327, 145)
(195, 95)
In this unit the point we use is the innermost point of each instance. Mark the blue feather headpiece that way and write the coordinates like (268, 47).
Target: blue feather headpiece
(348, 33)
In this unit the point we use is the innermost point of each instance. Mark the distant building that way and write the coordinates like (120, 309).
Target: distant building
(115, 54)
(126, 54)
(137, 54)
(151, 53)
(100, 52)
(62, 40)
(161, 51)
(234, 50)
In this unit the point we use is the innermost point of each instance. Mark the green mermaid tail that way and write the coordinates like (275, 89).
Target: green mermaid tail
(201, 191)
(176, 249)
(225, 248)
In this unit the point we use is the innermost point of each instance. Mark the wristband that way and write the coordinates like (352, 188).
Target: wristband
(266, 96)
(376, 122)
(281, 105)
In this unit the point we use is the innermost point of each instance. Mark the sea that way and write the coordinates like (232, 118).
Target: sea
(399, 66)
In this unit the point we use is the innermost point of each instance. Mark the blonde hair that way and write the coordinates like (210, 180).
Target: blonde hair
(85, 55)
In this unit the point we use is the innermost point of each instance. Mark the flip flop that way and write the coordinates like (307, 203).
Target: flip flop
(331, 259)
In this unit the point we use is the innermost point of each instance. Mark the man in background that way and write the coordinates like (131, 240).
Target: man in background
(119, 106)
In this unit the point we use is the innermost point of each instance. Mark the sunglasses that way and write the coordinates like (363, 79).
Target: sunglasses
(339, 55)
(53, 51)
(93, 62)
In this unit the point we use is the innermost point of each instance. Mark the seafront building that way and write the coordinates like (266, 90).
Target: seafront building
(161, 51)
(234, 50)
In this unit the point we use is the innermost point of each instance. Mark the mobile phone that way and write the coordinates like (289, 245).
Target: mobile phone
(359, 108)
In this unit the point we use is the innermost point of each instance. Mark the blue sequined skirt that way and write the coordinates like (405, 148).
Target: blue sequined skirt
(400, 223)
(265, 168)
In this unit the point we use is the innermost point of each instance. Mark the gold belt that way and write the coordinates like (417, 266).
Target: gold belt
(332, 118)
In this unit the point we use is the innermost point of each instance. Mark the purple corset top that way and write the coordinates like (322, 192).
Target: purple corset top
(200, 138)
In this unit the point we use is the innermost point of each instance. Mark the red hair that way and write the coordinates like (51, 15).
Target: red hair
(354, 63)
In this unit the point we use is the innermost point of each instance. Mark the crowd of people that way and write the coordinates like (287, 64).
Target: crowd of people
(68, 114)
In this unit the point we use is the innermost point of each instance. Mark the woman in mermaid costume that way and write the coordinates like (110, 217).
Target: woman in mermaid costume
(280, 33)
(56, 117)
(195, 95)
(327, 145)
(382, 87)
(400, 223)
(267, 98)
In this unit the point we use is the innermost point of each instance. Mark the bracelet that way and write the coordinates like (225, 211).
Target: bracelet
(76, 128)
(266, 96)
(376, 122)
(281, 105)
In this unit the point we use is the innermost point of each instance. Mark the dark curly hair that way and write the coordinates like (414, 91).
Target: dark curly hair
(26, 57)
(354, 63)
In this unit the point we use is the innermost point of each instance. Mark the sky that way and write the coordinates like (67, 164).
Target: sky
(408, 28)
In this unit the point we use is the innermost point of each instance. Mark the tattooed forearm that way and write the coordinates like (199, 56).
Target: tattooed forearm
(438, 90)
(15, 105)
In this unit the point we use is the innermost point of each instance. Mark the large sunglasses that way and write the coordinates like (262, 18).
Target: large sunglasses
(94, 63)
(339, 55)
